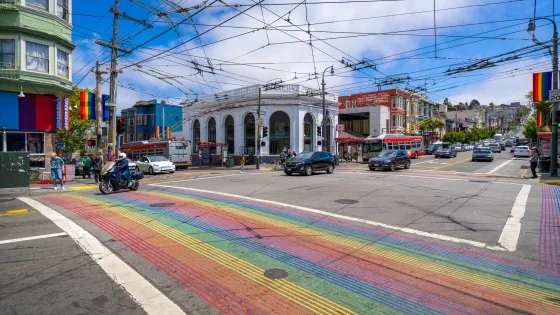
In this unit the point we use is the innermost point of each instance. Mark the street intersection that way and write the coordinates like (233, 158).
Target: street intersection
(439, 238)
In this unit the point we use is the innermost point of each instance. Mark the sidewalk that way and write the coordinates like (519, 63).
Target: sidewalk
(545, 178)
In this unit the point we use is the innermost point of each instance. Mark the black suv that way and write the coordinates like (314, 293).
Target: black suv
(390, 160)
(307, 163)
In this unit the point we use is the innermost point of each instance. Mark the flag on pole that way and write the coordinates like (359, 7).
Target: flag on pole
(157, 131)
(87, 106)
(542, 84)
(168, 132)
(539, 119)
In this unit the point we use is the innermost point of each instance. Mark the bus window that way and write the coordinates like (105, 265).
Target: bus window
(402, 146)
(408, 146)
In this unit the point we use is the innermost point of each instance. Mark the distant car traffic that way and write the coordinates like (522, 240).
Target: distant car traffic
(494, 147)
(446, 152)
(155, 164)
(433, 148)
(521, 151)
(502, 146)
(482, 153)
(390, 160)
(307, 163)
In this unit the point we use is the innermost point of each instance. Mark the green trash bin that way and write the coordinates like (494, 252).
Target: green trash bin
(544, 164)
(336, 160)
(229, 161)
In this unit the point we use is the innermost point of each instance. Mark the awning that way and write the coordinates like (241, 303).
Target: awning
(349, 136)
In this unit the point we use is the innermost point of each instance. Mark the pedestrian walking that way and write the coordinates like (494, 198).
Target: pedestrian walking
(282, 159)
(242, 163)
(534, 161)
(97, 165)
(86, 161)
(56, 170)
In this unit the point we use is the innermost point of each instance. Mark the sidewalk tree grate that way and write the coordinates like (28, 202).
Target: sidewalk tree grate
(162, 204)
(346, 201)
(275, 273)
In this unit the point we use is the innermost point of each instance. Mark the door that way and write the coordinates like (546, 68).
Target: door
(401, 157)
(317, 161)
(142, 164)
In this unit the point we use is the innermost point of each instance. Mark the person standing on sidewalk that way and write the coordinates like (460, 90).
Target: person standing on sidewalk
(86, 161)
(242, 163)
(534, 161)
(56, 170)
(282, 159)
(97, 165)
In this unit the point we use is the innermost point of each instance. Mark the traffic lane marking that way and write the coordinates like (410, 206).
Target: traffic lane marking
(492, 171)
(30, 238)
(348, 218)
(16, 212)
(142, 291)
(199, 178)
(452, 164)
(510, 234)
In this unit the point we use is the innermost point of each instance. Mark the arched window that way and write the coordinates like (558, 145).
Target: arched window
(327, 143)
(196, 136)
(308, 133)
(212, 134)
(279, 129)
(249, 128)
(230, 134)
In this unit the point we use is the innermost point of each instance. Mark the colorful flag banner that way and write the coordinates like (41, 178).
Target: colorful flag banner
(105, 106)
(539, 119)
(168, 132)
(542, 84)
(87, 106)
(157, 132)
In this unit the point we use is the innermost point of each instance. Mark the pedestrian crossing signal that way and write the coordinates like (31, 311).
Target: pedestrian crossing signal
(265, 132)
(318, 131)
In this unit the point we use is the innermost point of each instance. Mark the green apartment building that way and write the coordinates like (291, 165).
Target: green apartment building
(35, 75)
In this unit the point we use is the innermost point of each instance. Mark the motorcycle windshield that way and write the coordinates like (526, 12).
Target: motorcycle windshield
(106, 167)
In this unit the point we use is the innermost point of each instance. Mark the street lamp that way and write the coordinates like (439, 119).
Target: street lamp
(554, 138)
(324, 122)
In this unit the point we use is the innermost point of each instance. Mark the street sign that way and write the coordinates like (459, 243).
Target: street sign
(60, 145)
(554, 96)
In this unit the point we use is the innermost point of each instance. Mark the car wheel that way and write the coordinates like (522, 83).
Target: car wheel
(415, 155)
(407, 165)
(330, 169)
(308, 171)
(151, 170)
(288, 173)
(172, 172)
(473, 160)
(372, 168)
(392, 167)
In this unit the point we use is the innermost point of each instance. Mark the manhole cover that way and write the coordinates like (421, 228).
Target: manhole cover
(162, 204)
(479, 181)
(346, 201)
(275, 274)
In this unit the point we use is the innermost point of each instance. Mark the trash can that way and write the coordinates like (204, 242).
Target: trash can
(229, 161)
(544, 164)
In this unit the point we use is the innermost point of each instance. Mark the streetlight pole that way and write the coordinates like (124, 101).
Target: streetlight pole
(324, 122)
(554, 138)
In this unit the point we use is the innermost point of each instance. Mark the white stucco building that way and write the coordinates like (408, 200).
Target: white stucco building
(290, 115)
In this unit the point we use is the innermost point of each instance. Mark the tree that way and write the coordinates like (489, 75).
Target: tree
(491, 104)
(446, 102)
(529, 97)
(530, 131)
(473, 103)
(73, 138)
(544, 108)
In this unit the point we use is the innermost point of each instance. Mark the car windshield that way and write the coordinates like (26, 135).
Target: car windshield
(388, 154)
(304, 155)
(444, 149)
(157, 158)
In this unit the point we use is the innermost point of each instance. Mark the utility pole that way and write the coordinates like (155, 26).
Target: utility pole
(324, 122)
(259, 131)
(98, 100)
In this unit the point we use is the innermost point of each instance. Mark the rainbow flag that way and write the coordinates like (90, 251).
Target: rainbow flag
(542, 84)
(168, 132)
(87, 106)
(539, 119)
(157, 132)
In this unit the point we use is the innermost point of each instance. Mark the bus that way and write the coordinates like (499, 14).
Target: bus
(373, 145)
(177, 152)
(498, 137)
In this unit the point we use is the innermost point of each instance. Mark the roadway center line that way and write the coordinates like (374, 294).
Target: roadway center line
(142, 291)
(348, 218)
(451, 164)
(30, 238)
(500, 166)
(510, 234)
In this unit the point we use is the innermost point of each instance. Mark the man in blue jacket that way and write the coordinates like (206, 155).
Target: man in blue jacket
(122, 166)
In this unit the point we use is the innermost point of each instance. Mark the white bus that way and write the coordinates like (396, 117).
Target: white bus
(177, 152)
(498, 137)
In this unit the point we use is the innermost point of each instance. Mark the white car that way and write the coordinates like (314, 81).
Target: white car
(522, 151)
(155, 164)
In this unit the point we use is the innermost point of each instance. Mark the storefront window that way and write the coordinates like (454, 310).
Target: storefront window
(212, 134)
(16, 141)
(36, 143)
(308, 133)
(230, 134)
(196, 136)
(279, 132)
(250, 143)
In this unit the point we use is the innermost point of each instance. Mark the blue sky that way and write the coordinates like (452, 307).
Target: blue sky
(392, 35)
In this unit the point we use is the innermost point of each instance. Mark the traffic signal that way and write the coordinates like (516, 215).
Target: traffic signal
(121, 126)
(318, 131)
(558, 118)
(265, 132)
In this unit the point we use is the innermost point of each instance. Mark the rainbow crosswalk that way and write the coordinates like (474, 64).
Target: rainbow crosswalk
(220, 247)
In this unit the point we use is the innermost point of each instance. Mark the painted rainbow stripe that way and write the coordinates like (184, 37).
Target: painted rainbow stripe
(219, 248)
(542, 84)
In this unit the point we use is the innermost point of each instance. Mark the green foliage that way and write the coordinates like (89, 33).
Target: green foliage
(530, 131)
(467, 136)
(73, 138)
(446, 102)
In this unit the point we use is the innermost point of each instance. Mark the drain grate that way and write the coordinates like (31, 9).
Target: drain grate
(162, 204)
(346, 201)
(275, 273)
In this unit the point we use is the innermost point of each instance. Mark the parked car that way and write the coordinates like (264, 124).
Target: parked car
(131, 165)
(307, 163)
(494, 147)
(446, 152)
(390, 160)
(155, 164)
(482, 153)
(522, 151)
(433, 148)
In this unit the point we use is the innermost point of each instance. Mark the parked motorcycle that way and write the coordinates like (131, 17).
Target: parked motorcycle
(112, 180)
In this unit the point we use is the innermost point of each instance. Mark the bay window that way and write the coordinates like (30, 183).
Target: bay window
(61, 64)
(41, 4)
(37, 57)
(7, 53)
(62, 9)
